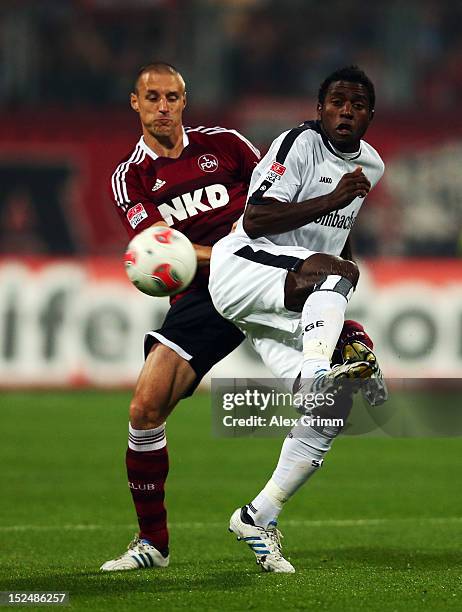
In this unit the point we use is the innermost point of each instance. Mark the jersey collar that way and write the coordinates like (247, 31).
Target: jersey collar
(316, 126)
(154, 155)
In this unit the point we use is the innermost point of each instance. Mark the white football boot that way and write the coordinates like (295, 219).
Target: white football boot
(374, 389)
(264, 543)
(140, 555)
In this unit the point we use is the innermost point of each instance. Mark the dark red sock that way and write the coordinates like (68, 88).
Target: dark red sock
(147, 473)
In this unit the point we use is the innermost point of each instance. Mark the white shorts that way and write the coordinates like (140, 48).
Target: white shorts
(248, 289)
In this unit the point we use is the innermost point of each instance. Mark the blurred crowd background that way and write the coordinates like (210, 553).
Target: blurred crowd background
(67, 67)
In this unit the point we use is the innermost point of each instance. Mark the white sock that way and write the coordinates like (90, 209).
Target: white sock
(323, 316)
(301, 456)
(143, 440)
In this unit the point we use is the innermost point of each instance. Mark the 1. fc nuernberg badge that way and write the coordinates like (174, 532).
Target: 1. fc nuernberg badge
(208, 162)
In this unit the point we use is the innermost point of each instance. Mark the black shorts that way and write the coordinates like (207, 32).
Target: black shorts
(195, 330)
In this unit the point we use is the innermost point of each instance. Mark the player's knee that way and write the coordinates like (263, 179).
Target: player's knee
(312, 275)
(350, 271)
(320, 266)
(145, 412)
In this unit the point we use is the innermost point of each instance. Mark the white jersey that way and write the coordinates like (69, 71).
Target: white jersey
(302, 164)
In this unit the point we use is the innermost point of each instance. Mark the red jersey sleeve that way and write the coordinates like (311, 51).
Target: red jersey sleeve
(244, 152)
(250, 157)
(133, 206)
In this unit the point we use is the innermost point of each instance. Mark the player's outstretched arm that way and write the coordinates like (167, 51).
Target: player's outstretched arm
(270, 216)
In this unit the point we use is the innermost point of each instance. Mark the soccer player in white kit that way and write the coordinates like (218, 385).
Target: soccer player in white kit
(286, 274)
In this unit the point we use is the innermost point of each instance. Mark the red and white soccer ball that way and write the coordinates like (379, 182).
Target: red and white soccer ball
(160, 261)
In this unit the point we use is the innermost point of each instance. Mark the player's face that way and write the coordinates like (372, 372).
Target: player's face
(345, 114)
(160, 101)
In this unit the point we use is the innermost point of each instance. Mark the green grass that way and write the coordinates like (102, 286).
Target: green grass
(378, 529)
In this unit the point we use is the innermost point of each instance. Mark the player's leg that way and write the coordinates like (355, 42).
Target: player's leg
(301, 456)
(303, 451)
(191, 340)
(164, 379)
(256, 287)
(320, 289)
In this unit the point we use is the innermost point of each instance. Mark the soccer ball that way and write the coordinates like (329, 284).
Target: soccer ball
(160, 261)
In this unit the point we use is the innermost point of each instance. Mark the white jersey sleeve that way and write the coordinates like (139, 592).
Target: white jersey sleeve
(372, 164)
(284, 169)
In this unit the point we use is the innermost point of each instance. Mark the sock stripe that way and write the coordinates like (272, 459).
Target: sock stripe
(146, 439)
(140, 439)
(148, 436)
(143, 440)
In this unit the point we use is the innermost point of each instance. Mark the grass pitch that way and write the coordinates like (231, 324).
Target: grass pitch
(379, 528)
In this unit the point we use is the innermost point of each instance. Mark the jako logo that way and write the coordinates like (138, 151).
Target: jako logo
(208, 162)
(189, 204)
(325, 179)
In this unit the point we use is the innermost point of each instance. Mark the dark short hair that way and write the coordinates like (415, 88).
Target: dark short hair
(352, 74)
(161, 67)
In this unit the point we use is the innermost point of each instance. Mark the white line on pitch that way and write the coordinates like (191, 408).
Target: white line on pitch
(372, 522)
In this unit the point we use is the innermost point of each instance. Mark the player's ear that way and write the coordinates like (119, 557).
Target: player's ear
(371, 114)
(134, 102)
(319, 109)
(184, 100)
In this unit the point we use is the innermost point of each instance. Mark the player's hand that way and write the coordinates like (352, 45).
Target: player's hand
(352, 185)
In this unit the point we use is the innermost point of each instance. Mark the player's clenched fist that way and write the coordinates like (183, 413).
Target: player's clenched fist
(352, 185)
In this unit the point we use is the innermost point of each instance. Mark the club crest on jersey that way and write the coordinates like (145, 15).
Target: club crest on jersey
(136, 214)
(208, 162)
(278, 168)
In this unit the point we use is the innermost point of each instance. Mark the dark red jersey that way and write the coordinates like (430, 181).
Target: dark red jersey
(201, 193)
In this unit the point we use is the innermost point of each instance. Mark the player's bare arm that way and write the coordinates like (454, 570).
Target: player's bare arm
(275, 217)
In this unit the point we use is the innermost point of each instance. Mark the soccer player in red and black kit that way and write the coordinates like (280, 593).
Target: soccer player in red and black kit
(195, 180)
